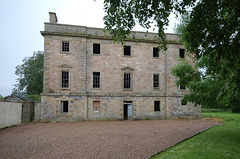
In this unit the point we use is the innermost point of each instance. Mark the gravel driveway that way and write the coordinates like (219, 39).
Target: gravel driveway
(105, 139)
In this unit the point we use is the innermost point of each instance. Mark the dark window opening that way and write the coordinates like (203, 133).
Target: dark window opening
(182, 53)
(182, 87)
(65, 46)
(183, 102)
(96, 48)
(155, 52)
(65, 79)
(127, 50)
(96, 79)
(156, 106)
(127, 80)
(64, 106)
(156, 81)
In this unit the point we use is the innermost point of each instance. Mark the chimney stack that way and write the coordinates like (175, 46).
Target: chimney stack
(53, 17)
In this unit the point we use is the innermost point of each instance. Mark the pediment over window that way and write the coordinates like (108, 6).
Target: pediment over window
(127, 69)
(65, 66)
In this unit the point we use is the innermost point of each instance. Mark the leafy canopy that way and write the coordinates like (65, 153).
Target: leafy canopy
(30, 80)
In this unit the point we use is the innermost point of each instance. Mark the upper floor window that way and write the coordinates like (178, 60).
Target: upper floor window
(96, 79)
(96, 48)
(182, 87)
(157, 106)
(155, 81)
(182, 53)
(155, 52)
(127, 81)
(65, 46)
(127, 50)
(65, 79)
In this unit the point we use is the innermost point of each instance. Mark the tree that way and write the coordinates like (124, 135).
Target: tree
(1, 97)
(211, 33)
(30, 80)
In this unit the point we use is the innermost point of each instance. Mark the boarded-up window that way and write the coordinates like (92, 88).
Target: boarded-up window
(155, 52)
(127, 50)
(65, 79)
(156, 106)
(65, 46)
(182, 53)
(96, 106)
(64, 105)
(127, 81)
(96, 48)
(155, 81)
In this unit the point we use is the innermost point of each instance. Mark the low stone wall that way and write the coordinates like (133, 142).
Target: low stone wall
(10, 114)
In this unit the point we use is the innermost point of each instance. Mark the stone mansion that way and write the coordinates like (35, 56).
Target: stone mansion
(89, 77)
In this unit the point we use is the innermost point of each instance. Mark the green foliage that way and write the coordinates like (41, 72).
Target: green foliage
(217, 142)
(30, 80)
(122, 16)
(203, 90)
(212, 110)
(34, 97)
(1, 97)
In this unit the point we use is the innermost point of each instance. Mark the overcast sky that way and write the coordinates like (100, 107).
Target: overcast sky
(22, 21)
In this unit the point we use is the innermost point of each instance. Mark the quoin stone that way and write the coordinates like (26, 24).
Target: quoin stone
(87, 76)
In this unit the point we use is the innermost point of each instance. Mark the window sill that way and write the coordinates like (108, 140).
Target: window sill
(96, 89)
(96, 54)
(127, 89)
(155, 57)
(65, 88)
(156, 89)
(62, 52)
(95, 112)
(127, 56)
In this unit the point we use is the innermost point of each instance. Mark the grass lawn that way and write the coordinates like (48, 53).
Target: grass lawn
(217, 142)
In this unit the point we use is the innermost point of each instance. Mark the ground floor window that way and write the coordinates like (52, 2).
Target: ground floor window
(96, 106)
(157, 106)
(64, 105)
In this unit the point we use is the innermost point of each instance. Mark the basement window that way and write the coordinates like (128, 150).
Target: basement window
(96, 48)
(182, 53)
(65, 46)
(155, 52)
(127, 50)
(64, 105)
(96, 106)
(157, 106)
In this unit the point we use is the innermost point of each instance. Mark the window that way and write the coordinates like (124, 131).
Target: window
(155, 52)
(155, 81)
(96, 48)
(65, 46)
(96, 106)
(182, 87)
(127, 50)
(127, 81)
(183, 102)
(65, 79)
(96, 79)
(157, 106)
(64, 105)
(182, 53)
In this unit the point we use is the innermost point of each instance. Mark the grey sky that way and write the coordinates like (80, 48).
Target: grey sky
(22, 21)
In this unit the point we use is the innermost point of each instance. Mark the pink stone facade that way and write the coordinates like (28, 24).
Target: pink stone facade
(81, 62)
